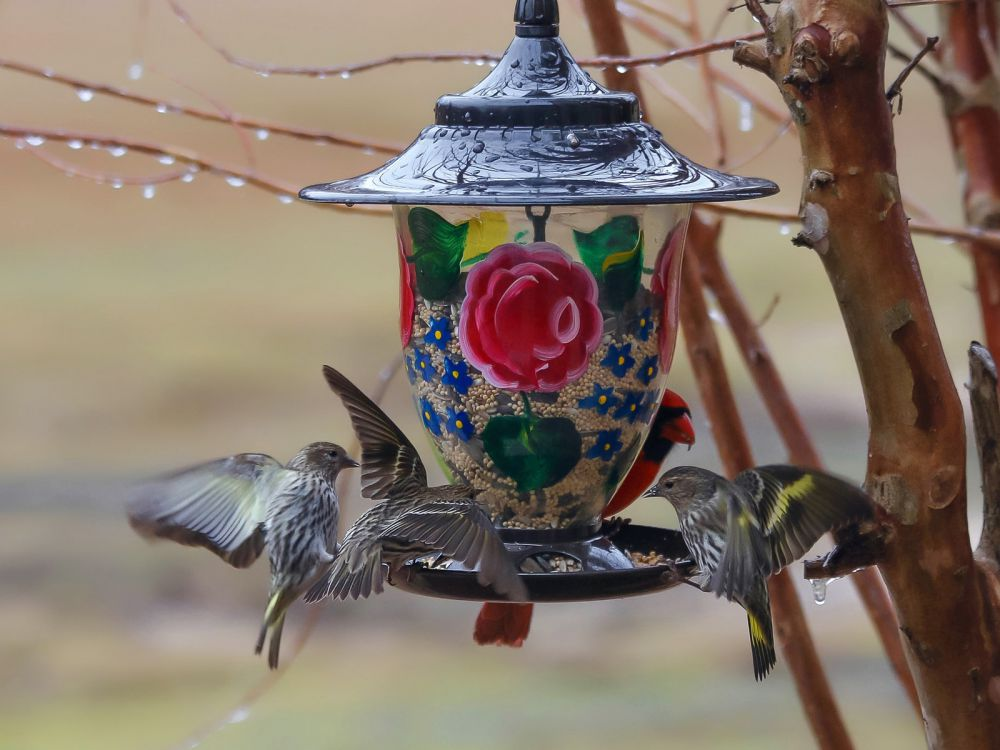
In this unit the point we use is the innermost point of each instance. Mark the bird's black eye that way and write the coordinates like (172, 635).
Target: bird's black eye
(333, 454)
(668, 485)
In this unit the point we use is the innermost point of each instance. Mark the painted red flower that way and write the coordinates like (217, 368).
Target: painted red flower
(406, 303)
(530, 319)
(666, 285)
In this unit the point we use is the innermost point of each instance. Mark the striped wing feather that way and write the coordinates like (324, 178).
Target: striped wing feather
(388, 459)
(463, 532)
(796, 507)
(220, 505)
(745, 553)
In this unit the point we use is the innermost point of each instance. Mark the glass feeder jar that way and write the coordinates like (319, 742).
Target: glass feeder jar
(541, 227)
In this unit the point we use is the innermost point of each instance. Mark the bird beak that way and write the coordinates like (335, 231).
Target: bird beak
(680, 430)
(352, 464)
(653, 491)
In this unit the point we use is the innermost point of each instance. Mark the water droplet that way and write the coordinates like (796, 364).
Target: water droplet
(117, 183)
(716, 315)
(819, 590)
(239, 715)
(19, 144)
(746, 116)
(368, 151)
(34, 140)
(784, 230)
(345, 74)
(163, 109)
(263, 134)
(480, 63)
(148, 191)
(493, 63)
(264, 73)
(135, 70)
(286, 199)
(166, 159)
(75, 144)
(188, 177)
(117, 151)
(235, 181)
(573, 140)
(479, 147)
(85, 95)
(622, 68)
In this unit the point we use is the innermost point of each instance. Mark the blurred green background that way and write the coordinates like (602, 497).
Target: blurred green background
(139, 335)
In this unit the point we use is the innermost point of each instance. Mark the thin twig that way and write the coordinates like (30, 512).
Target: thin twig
(968, 234)
(711, 89)
(896, 89)
(675, 97)
(935, 80)
(166, 106)
(766, 145)
(725, 79)
(346, 71)
(194, 161)
(916, 34)
(663, 14)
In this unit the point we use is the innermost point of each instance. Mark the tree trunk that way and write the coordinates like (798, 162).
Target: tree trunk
(827, 59)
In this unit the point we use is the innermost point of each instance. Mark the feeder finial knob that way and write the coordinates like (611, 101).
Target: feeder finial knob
(537, 18)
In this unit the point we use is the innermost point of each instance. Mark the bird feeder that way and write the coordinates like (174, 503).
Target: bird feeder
(541, 227)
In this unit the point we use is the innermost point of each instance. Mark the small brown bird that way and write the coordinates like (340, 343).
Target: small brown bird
(741, 532)
(239, 505)
(412, 519)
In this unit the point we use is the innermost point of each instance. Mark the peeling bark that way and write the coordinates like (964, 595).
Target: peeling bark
(827, 59)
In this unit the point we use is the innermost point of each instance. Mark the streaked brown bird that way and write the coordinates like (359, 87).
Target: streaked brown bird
(505, 624)
(741, 532)
(411, 520)
(239, 505)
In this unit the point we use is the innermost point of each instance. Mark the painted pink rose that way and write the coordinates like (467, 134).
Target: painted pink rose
(406, 301)
(666, 285)
(530, 319)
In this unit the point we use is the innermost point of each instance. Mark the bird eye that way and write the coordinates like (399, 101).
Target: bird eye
(668, 486)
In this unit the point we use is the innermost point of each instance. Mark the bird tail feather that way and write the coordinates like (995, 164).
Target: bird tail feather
(758, 608)
(503, 624)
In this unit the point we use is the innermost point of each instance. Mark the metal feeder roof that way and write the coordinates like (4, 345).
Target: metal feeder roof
(538, 130)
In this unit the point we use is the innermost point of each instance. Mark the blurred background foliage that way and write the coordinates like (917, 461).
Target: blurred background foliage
(140, 335)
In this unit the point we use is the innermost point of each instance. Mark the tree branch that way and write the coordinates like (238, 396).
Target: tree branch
(793, 634)
(802, 451)
(829, 66)
(264, 126)
(986, 420)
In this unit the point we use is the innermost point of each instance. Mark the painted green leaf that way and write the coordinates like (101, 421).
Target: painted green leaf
(534, 452)
(437, 252)
(613, 253)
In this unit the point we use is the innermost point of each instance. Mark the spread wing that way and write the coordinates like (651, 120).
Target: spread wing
(388, 459)
(463, 532)
(795, 507)
(746, 550)
(219, 505)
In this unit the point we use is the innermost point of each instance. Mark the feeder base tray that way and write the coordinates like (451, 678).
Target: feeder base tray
(598, 564)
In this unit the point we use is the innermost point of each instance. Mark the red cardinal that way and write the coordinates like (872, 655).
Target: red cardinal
(508, 624)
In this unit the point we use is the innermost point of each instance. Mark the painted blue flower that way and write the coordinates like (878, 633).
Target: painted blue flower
(608, 443)
(600, 400)
(619, 359)
(439, 334)
(631, 406)
(456, 374)
(431, 420)
(423, 364)
(459, 423)
(648, 370)
(411, 370)
(644, 325)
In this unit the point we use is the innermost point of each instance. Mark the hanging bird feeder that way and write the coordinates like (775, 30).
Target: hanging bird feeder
(541, 228)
